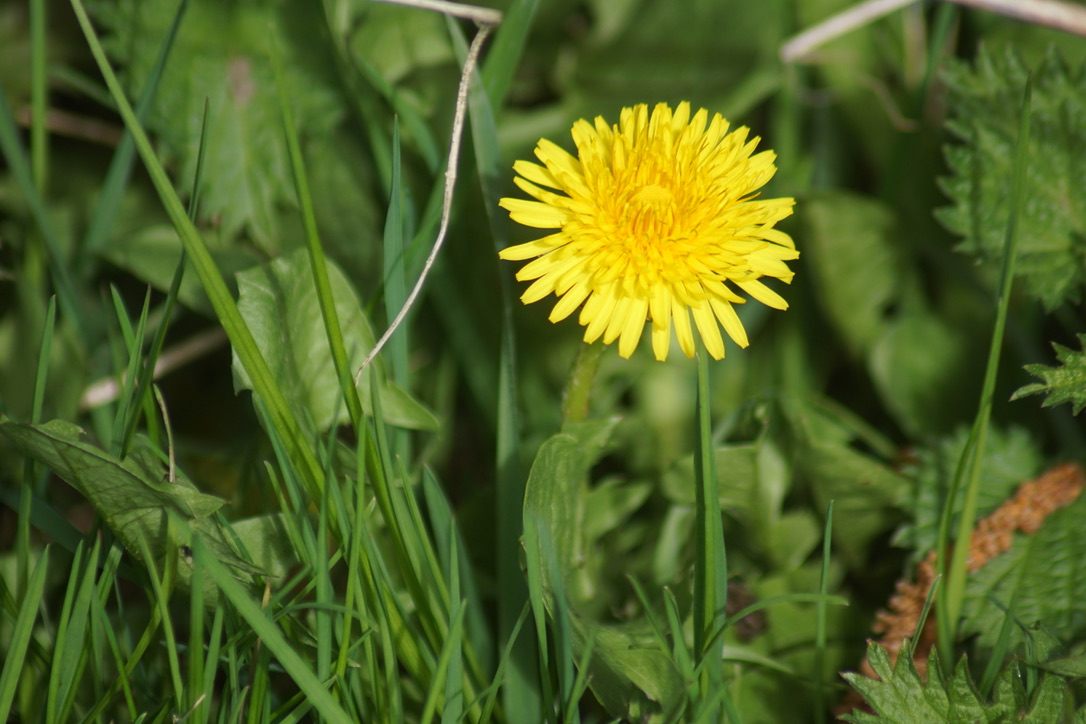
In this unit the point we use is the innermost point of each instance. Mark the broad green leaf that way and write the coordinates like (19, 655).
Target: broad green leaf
(279, 303)
(983, 100)
(737, 468)
(134, 496)
(1066, 383)
(630, 676)
(918, 365)
(867, 496)
(858, 270)
(867, 493)
(266, 543)
(221, 57)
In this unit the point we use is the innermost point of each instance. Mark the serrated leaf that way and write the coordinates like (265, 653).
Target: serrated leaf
(134, 496)
(1043, 574)
(279, 303)
(627, 673)
(221, 56)
(984, 100)
(1066, 383)
(900, 696)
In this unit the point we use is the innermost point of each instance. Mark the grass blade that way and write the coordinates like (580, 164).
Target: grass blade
(271, 636)
(950, 603)
(15, 656)
(214, 285)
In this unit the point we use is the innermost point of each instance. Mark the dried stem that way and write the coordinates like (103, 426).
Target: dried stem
(487, 19)
(1051, 13)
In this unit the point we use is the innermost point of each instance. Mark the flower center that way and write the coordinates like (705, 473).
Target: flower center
(650, 237)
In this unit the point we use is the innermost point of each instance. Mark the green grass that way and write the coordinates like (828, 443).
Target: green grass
(492, 522)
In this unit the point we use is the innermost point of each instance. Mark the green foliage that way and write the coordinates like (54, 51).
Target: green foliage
(279, 303)
(224, 51)
(1066, 383)
(632, 678)
(150, 508)
(880, 306)
(899, 696)
(374, 531)
(983, 101)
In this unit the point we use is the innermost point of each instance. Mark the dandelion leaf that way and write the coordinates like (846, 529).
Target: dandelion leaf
(222, 56)
(279, 303)
(135, 497)
(865, 491)
(984, 101)
(1042, 578)
(900, 696)
(1066, 383)
(266, 542)
(632, 678)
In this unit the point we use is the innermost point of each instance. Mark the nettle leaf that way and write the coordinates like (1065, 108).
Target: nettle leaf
(628, 673)
(1042, 578)
(984, 102)
(1066, 383)
(222, 55)
(1010, 458)
(900, 696)
(134, 496)
(279, 304)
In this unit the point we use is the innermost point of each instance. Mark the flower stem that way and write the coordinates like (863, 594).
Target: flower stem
(710, 563)
(579, 387)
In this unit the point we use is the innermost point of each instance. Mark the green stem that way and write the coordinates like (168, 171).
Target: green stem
(710, 562)
(972, 457)
(578, 392)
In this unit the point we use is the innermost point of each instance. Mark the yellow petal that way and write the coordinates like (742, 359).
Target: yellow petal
(597, 313)
(709, 329)
(569, 301)
(534, 213)
(633, 327)
(532, 249)
(660, 307)
(763, 294)
(682, 327)
(725, 312)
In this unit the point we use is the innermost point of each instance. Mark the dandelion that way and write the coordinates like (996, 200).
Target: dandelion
(658, 219)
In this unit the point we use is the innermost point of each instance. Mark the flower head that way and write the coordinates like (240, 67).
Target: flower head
(657, 218)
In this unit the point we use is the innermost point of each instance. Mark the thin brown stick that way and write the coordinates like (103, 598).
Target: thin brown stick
(1051, 13)
(470, 61)
(1064, 16)
(106, 390)
(483, 16)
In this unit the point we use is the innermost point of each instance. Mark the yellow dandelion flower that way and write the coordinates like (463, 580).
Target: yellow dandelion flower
(658, 218)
